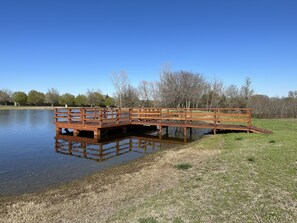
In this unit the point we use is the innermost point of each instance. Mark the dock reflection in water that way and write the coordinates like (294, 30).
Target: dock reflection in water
(89, 148)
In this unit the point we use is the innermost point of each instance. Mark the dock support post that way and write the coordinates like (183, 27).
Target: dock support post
(69, 147)
(130, 144)
(97, 134)
(160, 132)
(191, 133)
(167, 132)
(58, 130)
(100, 152)
(75, 132)
(185, 134)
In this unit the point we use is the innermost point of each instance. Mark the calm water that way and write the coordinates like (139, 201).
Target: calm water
(33, 157)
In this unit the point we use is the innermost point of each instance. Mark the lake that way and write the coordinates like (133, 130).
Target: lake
(33, 157)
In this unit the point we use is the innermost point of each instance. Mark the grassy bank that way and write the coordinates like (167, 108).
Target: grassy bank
(234, 177)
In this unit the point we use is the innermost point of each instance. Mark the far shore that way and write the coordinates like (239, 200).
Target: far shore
(2, 107)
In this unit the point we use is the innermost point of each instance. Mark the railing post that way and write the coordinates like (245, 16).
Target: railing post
(215, 117)
(83, 115)
(139, 112)
(168, 114)
(80, 116)
(118, 115)
(55, 115)
(249, 114)
(69, 115)
(218, 117)
(130, 115)
(215, 122)
(186, 114)
(100, 117)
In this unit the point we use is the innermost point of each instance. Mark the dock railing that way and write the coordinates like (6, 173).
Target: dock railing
(92, 116)
(181, 116)
(215, 116)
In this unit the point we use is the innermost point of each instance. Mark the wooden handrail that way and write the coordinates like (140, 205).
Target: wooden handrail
(103, 116)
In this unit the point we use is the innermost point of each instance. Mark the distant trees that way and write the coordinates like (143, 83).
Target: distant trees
(19, 98)
(145, 93)
(52, 97)
(233, 97)
(213, 96)
(125, 94)
(36, 97)
(181, 89)
(95, 98)
(120, 83)
(5, 96)
(130, 97)
(109, 101)
(67, 99)
(292, 94)
(80, 100)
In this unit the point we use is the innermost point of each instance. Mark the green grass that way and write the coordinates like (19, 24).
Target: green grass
(253, 179)
(147, 220)
(183, 166)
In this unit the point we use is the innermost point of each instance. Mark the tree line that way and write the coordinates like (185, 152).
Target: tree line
(184, 89)
(53, 98)
(175, 89)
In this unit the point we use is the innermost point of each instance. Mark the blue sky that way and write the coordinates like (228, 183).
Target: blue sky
(75, 45)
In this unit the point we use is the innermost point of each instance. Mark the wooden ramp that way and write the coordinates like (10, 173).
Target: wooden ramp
(101, 119)
(255, 129)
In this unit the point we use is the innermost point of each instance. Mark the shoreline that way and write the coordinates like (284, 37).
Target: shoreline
(26, 108)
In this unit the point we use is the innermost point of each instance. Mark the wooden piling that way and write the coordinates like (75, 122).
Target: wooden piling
(97, 134)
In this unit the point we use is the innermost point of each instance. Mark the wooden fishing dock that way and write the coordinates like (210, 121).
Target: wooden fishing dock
(98, 120)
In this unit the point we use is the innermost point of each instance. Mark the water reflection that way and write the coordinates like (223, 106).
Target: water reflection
(89, 148)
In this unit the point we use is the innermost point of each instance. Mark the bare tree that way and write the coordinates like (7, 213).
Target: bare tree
(168, 88)
(52, 96)
(145, 93)
(130, 97)
(214, 94)
(261, 106)
(5, 96)
(181, 89)
(247, 90)
(120, 83)
(292, 94)
(155, 93)
(233, 97)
